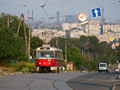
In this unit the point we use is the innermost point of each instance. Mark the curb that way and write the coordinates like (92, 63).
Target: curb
(9, 73)
(118, 77)
(113, 87)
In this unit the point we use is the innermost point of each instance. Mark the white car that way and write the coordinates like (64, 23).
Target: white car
(116, 70)
(103, 67)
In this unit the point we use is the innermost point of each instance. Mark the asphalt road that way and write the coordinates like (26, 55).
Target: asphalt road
(38, 81)
(95, 81)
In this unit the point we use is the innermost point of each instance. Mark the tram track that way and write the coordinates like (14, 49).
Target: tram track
(33, 81)
(53, 84)
(113, 87)
(29, 83)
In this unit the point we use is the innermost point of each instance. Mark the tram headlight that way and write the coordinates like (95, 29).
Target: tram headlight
(49, 63)
(40, 63)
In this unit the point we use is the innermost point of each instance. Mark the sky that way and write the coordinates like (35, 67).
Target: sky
(65, 7)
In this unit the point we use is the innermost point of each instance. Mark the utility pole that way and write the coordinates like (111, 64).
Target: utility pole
(29, 41)
(65, 53)
(89, 25)
(102, 21)
(57, 42)
(8, 20)
(32, 19)
(45, 37)
(92, 57)
(22, 19)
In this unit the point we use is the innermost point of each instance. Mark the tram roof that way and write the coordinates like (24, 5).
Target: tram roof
(48, 49)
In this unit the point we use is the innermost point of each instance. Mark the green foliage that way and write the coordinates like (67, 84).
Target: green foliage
(23, 66)
(14, 22)
(26, 66)
(87, 51)
(35, 42)
(11, 46)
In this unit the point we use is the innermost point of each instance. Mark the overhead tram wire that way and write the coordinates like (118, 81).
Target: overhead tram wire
(26, 5)
(14, 5)
(108, 5)
(43, 7)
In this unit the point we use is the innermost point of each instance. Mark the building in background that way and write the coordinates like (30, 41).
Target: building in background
(47, 34)
(75, 30)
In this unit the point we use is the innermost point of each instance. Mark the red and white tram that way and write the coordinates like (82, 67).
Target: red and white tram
(48, 59)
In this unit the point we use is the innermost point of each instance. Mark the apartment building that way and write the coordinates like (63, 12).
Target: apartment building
(47, 34)
(75, 30)
(93, 28)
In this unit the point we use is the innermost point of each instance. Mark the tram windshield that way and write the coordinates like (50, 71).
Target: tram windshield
(45, 54)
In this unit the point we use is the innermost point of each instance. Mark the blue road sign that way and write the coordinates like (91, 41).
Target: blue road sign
(96, 12)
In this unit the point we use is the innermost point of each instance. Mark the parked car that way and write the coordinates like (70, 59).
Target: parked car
(116, 69)
(83, 69)
(103, 67)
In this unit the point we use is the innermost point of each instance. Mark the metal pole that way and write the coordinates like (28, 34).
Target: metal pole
(102, 21)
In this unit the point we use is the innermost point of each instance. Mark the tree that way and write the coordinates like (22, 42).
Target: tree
(14, 22)
(35, 42)
(11, 46)
(87, 51)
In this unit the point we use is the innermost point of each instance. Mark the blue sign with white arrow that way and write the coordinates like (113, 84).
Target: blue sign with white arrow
(96, 12)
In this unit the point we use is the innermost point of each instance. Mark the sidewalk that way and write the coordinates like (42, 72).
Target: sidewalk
(5, 73)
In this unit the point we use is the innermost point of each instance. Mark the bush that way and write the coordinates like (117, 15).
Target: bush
(26, 66)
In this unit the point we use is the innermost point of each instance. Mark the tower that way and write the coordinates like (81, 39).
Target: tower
(58, 15)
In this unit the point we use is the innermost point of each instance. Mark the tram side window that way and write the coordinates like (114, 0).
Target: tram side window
(38, 54)
(58, 55)
(61, 55)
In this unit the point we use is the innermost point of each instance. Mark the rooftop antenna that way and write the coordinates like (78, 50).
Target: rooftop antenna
(63, 12)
